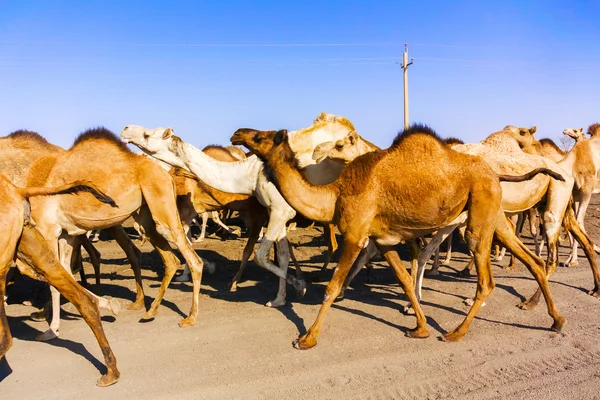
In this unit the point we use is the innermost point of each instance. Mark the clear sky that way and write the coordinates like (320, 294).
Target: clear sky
(206, 68)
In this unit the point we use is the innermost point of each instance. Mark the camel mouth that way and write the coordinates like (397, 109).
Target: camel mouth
(236, 141)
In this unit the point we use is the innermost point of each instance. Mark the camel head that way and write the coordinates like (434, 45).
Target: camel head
(261, 143)
(523, 136)
(575, 133)
(594, 130)
(160, 143)
(343, 151)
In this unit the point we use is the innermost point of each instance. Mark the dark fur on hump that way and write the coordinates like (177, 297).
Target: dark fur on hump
(594, 129)
(413, 130)
(214, 146)
(25, 134)
(551, 143)
(100, 133)
(452, 141)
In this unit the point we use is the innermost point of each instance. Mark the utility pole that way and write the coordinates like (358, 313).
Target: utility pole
(405, 64)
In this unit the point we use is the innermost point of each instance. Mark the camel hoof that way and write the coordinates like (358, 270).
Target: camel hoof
(46, 336)
(150, 314)
(595, 293)
(300, 286)
(232, 287)
(465, 272)
(39, 316)
(189, 321)
(114, 306)
(469, 302)
(339, 298)
(302, 343)
(527, 305)
(276, 303)
(182, 278)
(418, 333)
(452, 337)
(558, 324)
(136, 305)
(408, 310)
(108, 379)
(432, 272)
(570, 264)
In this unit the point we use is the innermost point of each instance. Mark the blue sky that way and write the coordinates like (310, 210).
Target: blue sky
(479, 65)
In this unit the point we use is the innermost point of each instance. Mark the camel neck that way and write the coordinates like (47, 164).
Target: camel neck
(314, 202)
(238, 177)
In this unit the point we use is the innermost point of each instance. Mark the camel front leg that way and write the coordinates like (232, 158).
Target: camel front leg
(366, 254)
(254, 228)
(580, 216)
(332, 245)
(34, 250)
(350, 252)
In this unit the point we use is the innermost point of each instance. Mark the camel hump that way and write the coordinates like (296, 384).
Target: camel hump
(100, 133)
(219, 153)
(415, 129)
(594, 129)
(28, 135)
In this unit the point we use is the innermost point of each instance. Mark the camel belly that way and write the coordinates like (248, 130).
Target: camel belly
(520, 196)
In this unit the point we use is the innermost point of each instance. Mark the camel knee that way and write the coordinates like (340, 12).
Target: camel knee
(262, 254)
(165, 232)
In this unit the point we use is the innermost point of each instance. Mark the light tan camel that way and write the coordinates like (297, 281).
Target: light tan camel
(141, 189)
(582, 162)
(575, 134)
(371, 201)
(19, 239)
(18, 151)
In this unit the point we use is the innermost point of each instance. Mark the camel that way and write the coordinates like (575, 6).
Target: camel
(371, 201)
(582, 162)
(141, 189)
(246, 177)
(20, 239)
(574, 133)
(18, 151)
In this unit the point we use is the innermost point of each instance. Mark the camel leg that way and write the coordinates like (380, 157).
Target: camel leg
(203, 227)
(34, 249)
(94, 258)
(520, 221)
(77, 265)
(332, 245)
(449, 240)
(534, 264)
(283, 258)
(217, 219)
(134, 256)
(581, 211)
(349, 254)
(299, 274)
(364, 256)
(407, 285)
(588, 247)
(11, 231)
(436, 240)
(434, 271)
(254, 226)
(276, 229)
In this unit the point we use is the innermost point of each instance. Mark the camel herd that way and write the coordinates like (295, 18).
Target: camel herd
(417, 192)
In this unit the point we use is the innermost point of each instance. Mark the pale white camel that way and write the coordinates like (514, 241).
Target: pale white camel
(574, 133)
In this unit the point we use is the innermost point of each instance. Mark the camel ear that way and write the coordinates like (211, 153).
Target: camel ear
(353, 137)
(533, 129)
(167, 133)
(280, 136)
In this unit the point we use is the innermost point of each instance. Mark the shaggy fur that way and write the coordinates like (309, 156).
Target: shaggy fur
(594, 129)
(100, 133)
(25, 134)
(415, 129)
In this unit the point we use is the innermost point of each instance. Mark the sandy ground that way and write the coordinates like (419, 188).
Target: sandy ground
(241, 349)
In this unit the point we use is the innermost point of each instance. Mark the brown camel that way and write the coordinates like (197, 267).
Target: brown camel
(20, 239)
(371, 201)
(141, 189)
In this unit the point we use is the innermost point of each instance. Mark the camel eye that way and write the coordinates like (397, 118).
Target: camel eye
(146, 135)
(339, 146)
(257, 138)
(523, 133)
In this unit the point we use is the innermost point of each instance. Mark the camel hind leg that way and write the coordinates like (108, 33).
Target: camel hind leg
(534, 264)
(134, 255)
(163, 208)
(34, 250)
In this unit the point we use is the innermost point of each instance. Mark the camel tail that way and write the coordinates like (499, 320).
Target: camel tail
(531, 174)
(74, 187)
